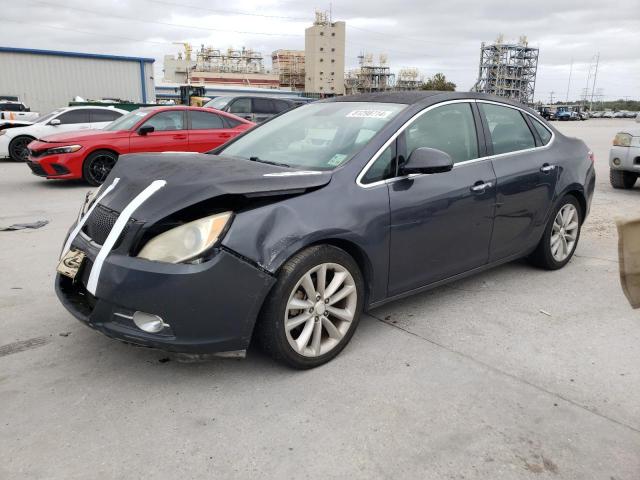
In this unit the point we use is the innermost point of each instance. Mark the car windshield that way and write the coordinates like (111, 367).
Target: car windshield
(318, 136)
(218, 103)
(126, 122)
(46, 117)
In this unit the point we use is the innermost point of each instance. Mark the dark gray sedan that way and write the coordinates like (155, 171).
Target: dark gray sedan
(287, 233)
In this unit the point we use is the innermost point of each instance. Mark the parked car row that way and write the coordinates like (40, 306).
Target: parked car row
(618, 114)
(86, 141)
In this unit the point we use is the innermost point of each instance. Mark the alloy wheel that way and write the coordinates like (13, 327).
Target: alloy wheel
(19, 148)
(100, 167)
(564, 232)
(320, 309)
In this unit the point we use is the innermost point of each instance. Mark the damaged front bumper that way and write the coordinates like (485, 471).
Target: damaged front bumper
(207, 308)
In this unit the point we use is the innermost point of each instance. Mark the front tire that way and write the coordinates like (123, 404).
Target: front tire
(313, 310)
(561, 235)
(18, 150)
(622, 179)
(97, 166)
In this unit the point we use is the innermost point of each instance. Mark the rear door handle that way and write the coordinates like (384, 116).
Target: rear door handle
(480, 187)
(546, 168)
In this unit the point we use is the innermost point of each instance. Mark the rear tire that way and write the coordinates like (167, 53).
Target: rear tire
(18, 148)
(315, 333)
(97, 166)
(561, 235)
(622, 179)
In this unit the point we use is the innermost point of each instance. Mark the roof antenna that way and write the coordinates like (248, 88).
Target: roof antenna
(330, 13)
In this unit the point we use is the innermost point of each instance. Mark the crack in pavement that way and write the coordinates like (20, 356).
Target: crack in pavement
(507, 374)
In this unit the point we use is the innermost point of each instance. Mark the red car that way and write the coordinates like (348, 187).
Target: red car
(91, 154)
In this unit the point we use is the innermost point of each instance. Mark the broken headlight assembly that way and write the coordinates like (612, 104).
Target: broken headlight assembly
(187, 242)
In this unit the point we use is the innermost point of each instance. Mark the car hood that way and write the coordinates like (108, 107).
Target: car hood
(80, 135)
(192, 178)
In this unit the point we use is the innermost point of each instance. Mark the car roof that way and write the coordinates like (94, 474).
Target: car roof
(416, 97)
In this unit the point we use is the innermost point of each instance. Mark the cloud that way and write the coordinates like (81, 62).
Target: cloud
(435, 36)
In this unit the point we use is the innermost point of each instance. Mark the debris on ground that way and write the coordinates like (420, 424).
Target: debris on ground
(544, 312)
(22, 226)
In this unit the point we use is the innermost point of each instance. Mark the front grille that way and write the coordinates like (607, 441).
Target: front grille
(37, 169)
(100, 223)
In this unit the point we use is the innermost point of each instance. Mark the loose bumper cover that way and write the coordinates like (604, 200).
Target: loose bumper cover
(209, 307)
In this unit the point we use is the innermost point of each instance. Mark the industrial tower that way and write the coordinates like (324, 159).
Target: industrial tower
(508, 70)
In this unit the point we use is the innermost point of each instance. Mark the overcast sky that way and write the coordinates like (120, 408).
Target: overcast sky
(434, 36)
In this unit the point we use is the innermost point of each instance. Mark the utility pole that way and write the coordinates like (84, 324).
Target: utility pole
(551, 97)
(595, 76)
(569, 83)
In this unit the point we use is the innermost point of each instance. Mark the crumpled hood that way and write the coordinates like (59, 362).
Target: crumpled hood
(194, 177)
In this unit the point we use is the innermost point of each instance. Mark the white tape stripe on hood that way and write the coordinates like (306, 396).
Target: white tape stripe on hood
(125, 215)
(81, 222)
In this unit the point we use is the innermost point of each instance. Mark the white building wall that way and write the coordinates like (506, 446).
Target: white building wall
(45, 82)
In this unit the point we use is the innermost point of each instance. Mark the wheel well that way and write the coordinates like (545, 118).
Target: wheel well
(360, 258)
(110, 150)
(22, 136)
(581, 200)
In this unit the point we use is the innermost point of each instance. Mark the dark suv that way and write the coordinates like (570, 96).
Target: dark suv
(254, 108)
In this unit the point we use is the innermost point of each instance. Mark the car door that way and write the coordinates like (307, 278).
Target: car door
(525, 179)
(242, 108)
(101, 117)
(441, 223)
(207, 130)
(169, 133)
(77, 119)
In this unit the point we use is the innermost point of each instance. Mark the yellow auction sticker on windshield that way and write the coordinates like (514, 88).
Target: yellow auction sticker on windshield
(369, 114)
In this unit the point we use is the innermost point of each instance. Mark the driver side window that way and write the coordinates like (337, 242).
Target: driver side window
(166, 121)
(450, 128)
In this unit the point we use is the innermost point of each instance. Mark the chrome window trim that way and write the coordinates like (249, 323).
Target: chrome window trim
(404, 126)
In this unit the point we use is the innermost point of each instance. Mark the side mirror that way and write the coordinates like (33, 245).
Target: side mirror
(427, 160)
(54, 122)
(145, 129)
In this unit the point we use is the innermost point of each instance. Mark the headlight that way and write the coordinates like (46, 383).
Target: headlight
(2, 132)
(187, 241)
(65, 149)
(622, 140)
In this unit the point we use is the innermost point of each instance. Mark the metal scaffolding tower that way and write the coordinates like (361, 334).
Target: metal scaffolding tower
(370, 77)
(508, 70)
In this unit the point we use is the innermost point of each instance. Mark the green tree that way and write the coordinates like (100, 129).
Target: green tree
(439, 82)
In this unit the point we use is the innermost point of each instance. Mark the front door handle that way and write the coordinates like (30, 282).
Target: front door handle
(179, 137)
(480, 187)
(546, 168)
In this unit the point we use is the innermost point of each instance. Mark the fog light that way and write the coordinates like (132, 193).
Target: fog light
(148, 322)
(616, 162)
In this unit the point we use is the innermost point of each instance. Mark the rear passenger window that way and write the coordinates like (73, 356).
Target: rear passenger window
(103, 115)
(543, 132)
(263, 105)
(205, 121)
(281, 105)
(509, 130)
(241, 105)
(449, 128)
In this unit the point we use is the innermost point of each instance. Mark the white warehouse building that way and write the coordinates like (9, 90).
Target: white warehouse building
(49, 79)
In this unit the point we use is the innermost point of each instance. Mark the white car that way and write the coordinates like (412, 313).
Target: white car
(14, 141)
(11, 110)
(624, 158)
